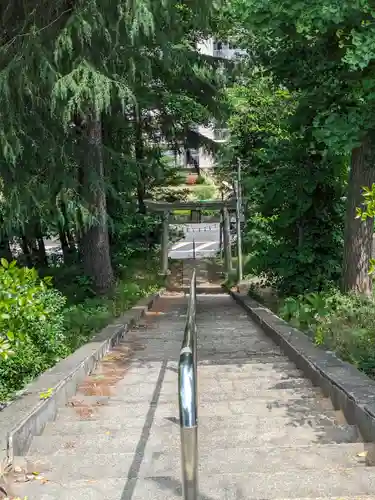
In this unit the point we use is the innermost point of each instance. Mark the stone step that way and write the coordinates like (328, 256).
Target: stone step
(345, 483)
(227, 358)
(205, 374)
(231, 390)
(213, 423)
(167, 439)
(233, 460)
(247, 365)
(169, 386)
(111, 410)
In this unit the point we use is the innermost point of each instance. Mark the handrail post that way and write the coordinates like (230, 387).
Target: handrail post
(188, 400)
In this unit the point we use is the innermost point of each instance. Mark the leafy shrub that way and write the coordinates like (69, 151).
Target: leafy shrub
(342, 323)
(81, 321)
(204, 192)
(132, 235)
(71, 282)
(31, 326)
(38, 328)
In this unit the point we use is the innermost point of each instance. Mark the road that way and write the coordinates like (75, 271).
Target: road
(206, 237)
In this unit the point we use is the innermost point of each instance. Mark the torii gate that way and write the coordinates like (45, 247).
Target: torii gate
(165, 208)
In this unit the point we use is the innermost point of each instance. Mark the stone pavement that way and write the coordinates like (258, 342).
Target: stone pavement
(264, 431)
(209, 275)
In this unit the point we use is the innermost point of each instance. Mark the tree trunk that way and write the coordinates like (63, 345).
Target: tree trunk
(71, 241)
(64, 245)
(141, 197)
(26, 251)
(139, 157)
(42, 254)
(66, 237)
(41, 247)
(358, 234)
(67, 245)
(5, 250)
(94, 241)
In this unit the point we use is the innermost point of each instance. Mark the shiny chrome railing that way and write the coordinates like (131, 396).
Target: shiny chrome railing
(188, 399)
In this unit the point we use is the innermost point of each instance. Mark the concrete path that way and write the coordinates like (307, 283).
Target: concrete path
(264, 431)
(204, 236)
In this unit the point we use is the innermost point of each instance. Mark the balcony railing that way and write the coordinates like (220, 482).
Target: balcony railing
(221, 134)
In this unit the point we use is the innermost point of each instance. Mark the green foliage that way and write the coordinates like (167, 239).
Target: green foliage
(339, 322)
(306, 311)
(294, 228)
(138, 278)
(28, 308)
(368, 209)
(92, 95)
(46, 330)
(31, 326)
(133, 234)
(203, 192)
(303, 105)
(143, 96)
(321, 54)
(200, 180)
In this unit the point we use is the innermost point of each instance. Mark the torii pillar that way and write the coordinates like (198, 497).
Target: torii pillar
(227, 242)
(165, 243)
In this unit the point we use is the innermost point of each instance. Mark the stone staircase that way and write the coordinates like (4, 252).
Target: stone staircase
(209, 276)
(264, 431)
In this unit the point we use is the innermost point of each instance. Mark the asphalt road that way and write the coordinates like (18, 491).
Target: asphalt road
(205, 236)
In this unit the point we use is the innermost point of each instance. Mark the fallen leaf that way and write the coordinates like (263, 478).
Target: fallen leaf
(362, 454)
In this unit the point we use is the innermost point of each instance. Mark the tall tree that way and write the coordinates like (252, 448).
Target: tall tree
(86, 61)
(325, 51)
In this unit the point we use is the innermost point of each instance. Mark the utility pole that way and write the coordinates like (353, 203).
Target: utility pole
(221, 224)
(237, 188)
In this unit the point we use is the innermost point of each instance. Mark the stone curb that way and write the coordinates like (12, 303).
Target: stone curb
(27, 416)
(349, 389)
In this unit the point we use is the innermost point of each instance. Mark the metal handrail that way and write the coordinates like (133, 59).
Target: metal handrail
(188, 400)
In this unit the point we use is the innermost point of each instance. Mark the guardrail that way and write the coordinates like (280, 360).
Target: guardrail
(188, 399)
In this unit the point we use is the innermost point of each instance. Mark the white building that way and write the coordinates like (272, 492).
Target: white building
(215, 48)
(200, 157)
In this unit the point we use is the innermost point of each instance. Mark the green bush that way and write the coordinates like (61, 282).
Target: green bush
(31, 326)
(133, 235)
(342, 323)
(81, 321)
(38, 327)
(204, 192)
